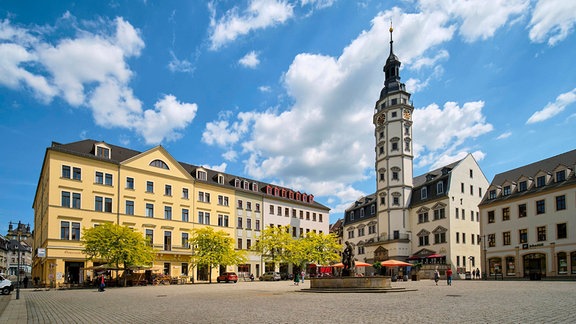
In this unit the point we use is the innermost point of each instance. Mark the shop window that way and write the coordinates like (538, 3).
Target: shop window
(562, 263)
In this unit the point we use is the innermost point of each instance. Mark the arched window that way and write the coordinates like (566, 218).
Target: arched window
(159, 164)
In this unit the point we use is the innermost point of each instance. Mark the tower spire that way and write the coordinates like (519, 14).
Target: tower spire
(391, 40)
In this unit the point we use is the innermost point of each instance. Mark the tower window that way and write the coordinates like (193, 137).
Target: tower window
(394, 146)
(394, 113)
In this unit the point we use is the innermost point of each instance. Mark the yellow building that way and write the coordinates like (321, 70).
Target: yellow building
(86, 183)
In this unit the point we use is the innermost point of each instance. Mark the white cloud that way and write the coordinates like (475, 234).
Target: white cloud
(90, 71)
(250, 60)
(504, 135)
(553, 108)
(218, 168)
(552, 21)
(177, 65)
(264, 88)
(478, 20)
(259, 14)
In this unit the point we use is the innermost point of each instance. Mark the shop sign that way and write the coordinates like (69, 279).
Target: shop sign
(41, 252)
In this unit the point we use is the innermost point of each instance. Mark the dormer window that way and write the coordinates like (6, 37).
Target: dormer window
(201, 175)
(560, 175)
(254, 186)
(506, 191)
(102, 151)
(541, 181)
(492, 194)
(159, 164)
(424, 193)
(220, 179)
(246, 185)
(237, 184)
(522, 186)
(440, 187)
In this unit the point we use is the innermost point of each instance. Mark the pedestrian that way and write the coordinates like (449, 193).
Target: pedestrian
(25, 282)
(302, 275)
(449, 276)
(436, 276)
(296, 279)
(102, 283)
(478, 273)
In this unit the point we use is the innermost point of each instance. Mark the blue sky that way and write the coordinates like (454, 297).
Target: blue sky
(283, 91)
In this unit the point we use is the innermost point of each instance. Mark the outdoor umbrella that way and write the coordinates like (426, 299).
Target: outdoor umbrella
(356, 264)
(395, 263)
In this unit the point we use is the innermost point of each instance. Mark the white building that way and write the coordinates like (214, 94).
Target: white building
(528, 220)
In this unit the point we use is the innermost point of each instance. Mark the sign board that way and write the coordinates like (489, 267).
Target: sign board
(41, 252)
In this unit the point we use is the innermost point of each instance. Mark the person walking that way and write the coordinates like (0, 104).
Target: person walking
(436, 276)
(478, 274)
(296, 279)
(302, 275)
(449, 276)
(101, 283)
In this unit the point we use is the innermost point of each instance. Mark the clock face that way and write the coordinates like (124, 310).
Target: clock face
(381, 119)
(406, 114)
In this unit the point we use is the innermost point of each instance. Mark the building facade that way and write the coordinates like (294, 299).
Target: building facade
(432, 218)
(528, 220)
(86, 183)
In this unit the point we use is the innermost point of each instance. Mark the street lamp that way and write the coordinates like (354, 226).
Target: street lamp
(17, 235)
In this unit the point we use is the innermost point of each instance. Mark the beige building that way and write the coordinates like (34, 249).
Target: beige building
(86, 183)
(528, 220)
(433, 218)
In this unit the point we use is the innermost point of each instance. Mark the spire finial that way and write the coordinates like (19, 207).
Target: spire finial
(391, 41)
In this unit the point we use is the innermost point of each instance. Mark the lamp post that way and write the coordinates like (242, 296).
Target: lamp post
(17, 235)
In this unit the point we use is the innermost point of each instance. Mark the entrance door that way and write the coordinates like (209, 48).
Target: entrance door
(72, 272)
(535, 265)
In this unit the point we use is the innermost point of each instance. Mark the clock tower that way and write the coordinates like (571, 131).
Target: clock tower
(394, 154)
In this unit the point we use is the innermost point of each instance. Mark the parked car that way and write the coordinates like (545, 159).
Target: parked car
(287, 276)
(227, 277)
(6, 286)
(270, 276)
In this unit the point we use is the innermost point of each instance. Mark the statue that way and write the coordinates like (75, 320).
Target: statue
(348, 260)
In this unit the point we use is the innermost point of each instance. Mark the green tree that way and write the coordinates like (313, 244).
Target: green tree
(214, 248)
(318, 248)
(117, 245)
(275, 244)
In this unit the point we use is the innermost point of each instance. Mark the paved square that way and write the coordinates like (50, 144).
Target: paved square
(282, 302)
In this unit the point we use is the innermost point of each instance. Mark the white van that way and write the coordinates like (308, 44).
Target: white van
(6, 285)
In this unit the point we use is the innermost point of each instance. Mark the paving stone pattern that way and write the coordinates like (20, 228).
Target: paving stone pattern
(282, 302)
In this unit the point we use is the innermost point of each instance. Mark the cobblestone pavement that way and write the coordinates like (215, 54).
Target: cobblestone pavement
(282, 302)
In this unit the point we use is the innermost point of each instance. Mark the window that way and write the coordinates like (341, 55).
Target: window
(257, 205)
(560, 175)
(76, 173)
(395, 146)
(67, 233)
(129, 207)
(480, 192)
(440, 187)
(463, 238)
(222, 200)
(506, 238)
(522, 210)
(506, 191)
(541, 233)
(167, 241)
(205, 197)
(102, 152)
(540, 207)
(395, 175)
(65, 199)
(360, 250)
(184, 193)
(491, 240)
(99, 179)
(457, 237)
(249, 223)
(424, 193)
(424, 240)
(129, 183)
(184, 269)
(201, 175)
(561, 202)
(361, 232)
(561, 231)
(371, 229)
(223, 220)
(220, 179)
(439, 238)
(256, 226)
(66, 172)
(76, 200)
(439, 214)
(108, 179)
(167, 212)
(185, 241)
(471, 190)
(239, 244)
(471, 173)
(506, 213)
(463, 214)
(522, 186)
(167, 190)
(541, 181)
(239, 225)
(149, 210)
(396, 201)
(248, 244)
(150, 236)
(248, 205)
(462, 187)
(472, 238)
(308, 214)
(108, 205)
(350, 234)
(185, 215)
(159, 164)
(372, 210)
(98, 204)
(150, 186)
(523, 235)
(203, 218)
(423, 217)
(492, 194)
(491, 216)
(239, 204)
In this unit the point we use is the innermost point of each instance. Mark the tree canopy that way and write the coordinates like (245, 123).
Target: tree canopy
(213, 248)
(118, 245)
(274, 244)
